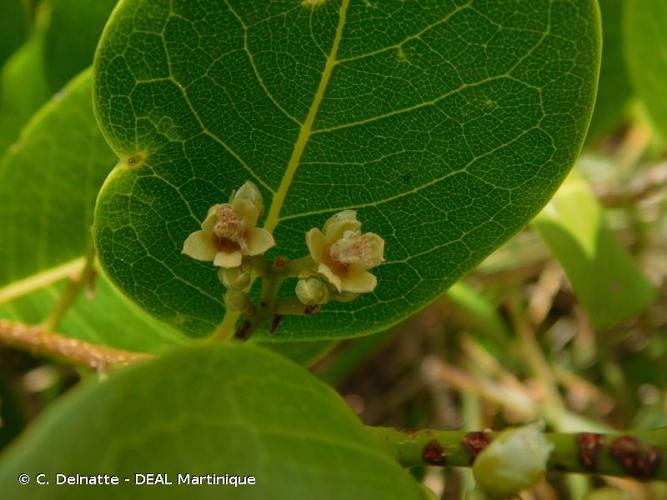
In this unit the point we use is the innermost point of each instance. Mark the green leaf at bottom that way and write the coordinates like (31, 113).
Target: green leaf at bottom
(225, 410)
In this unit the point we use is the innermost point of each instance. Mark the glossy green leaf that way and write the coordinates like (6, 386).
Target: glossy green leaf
(604, 276)
(447, 124)
(645, 49)
(614, 89)
(215, 410)
(48, 184)
(13, 27)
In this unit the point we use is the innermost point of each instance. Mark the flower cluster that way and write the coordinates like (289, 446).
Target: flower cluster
(336, 268)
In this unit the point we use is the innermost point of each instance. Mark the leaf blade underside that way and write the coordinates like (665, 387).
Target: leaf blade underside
(446, 124)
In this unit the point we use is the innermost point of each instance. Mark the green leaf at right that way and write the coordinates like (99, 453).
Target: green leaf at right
(646, 55)
(604, 276)
(208, 410)
(446, 124)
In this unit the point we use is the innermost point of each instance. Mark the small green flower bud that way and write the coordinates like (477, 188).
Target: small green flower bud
(312, 291)
(514, 461)
(250, 192)
(236, 300)
(235, 278)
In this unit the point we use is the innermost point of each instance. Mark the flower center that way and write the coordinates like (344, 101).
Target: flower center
(355, 248)
(229, 232)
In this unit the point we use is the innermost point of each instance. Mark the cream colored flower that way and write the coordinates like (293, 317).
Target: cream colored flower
(343, 254)
(229, 232)
(515, 460)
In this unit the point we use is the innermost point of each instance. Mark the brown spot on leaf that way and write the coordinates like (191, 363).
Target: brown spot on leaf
(590, 444)
(637, 460)
(475, 442)
(433, 453)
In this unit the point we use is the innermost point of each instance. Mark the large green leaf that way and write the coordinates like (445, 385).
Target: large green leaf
(645, 51)
(614, 90)
(604, 276)
(48, 184)
(447, 124)
(225, 410)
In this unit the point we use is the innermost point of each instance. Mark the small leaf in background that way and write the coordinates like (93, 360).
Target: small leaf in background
(614, 88)
(604, 276)
(69, 43)
(61, 45)
(23, 88)
(14, 25)
(447, 126)
(200, 411)
(646, 55)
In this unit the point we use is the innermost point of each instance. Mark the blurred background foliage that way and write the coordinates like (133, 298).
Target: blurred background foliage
(565, 323)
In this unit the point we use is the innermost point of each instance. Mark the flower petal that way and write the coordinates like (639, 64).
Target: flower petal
(228, 259)
(335, 230)
(332, 277)
(359, 282)
(375, 245)
(259, 241)
(211, 218)
(315, 241)
(199, 246)
(248, 211)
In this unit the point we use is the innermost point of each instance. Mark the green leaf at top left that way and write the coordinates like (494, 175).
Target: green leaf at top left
(48, 183)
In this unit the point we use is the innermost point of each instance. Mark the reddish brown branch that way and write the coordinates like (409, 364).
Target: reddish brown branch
(73, 351)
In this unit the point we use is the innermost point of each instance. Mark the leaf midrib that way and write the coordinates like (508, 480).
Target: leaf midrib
(305, 132)
(230, 318)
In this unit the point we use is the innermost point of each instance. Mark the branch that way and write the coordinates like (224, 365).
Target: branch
(73, 351)
(637, 454)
